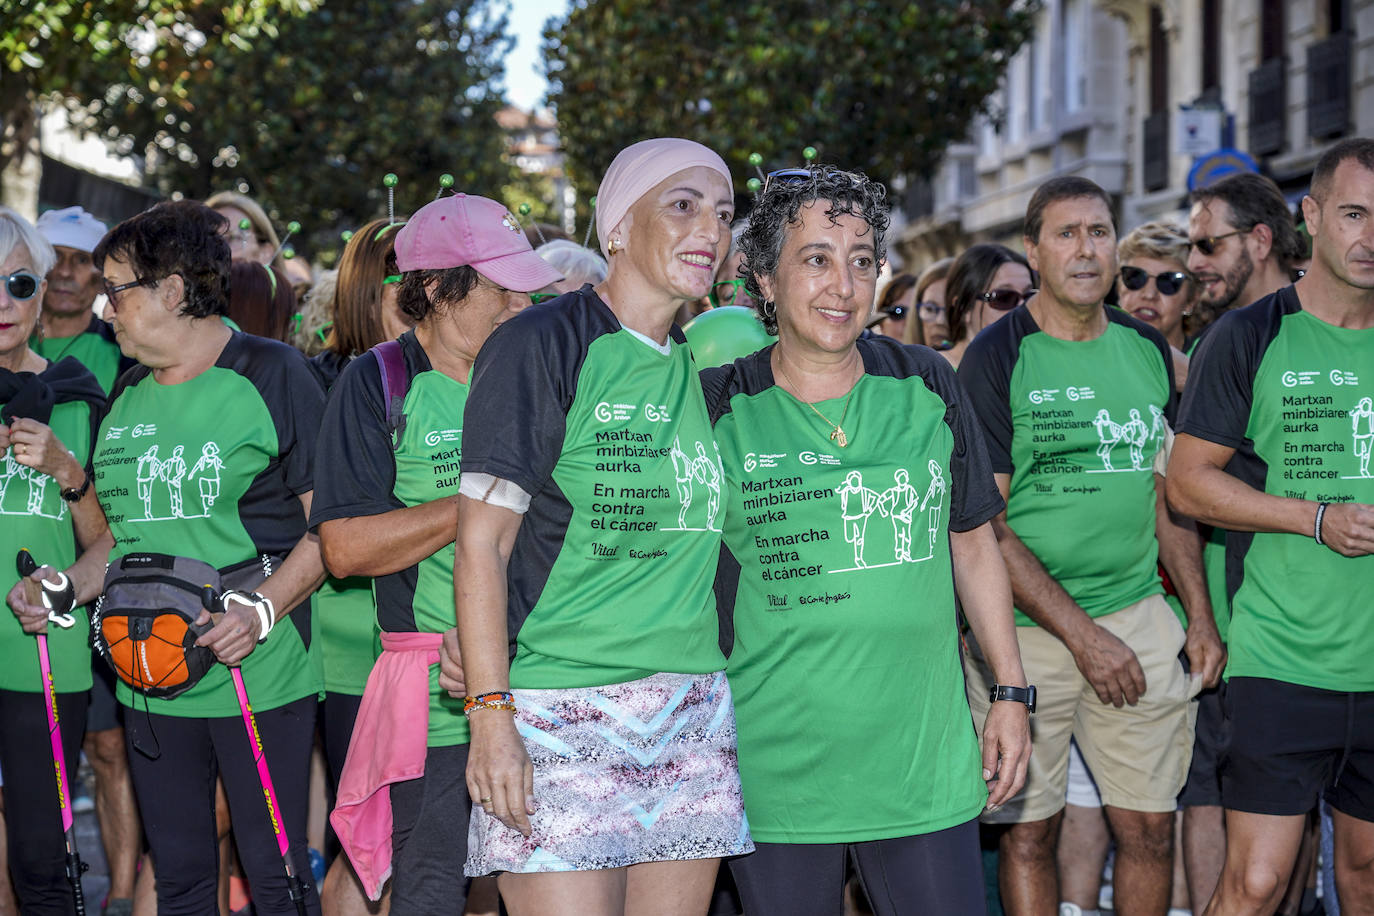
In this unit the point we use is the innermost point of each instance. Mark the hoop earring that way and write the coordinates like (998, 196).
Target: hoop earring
(615, 246)
(769, 309)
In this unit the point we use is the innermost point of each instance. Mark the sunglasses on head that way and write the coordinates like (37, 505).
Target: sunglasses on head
(1168, 282)
(1208, 246)
(1006, 299)
(22, 285)
(724, 292)
(786, 176)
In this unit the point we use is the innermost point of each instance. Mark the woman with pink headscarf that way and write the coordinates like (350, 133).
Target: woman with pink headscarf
(602, 761)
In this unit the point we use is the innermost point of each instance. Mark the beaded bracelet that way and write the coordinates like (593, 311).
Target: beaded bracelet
(502, 700)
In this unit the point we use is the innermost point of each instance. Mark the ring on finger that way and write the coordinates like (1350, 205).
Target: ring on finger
(485, 800)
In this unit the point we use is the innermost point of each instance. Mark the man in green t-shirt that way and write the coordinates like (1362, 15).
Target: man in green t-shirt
(1061, 386)
(1270, 449)
(68, 326)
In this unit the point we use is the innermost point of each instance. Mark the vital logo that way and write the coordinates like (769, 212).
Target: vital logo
(1043, 395)
(435, 436)
(114, 432)
(605, 412)
(1079, 394)
(817, 458)
(765, 460)
(1291, 379)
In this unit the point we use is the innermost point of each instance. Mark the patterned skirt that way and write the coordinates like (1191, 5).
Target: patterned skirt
(638, 772)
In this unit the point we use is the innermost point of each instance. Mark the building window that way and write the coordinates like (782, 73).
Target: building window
(1073, 56)
(1211, 49)
(1159, 62)
(1273, 31)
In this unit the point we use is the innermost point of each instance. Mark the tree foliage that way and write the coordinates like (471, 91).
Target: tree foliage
(882, 85)
(310, 118)
(80, 47)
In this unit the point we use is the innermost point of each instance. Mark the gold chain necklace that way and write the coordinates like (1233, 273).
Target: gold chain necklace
(837, 435)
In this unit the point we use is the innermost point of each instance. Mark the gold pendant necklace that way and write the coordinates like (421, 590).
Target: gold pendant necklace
(837, 435)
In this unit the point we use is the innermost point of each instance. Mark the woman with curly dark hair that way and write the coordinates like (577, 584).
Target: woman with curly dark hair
(858, 498)
(387, 508)
(204, 466)
(985, 282)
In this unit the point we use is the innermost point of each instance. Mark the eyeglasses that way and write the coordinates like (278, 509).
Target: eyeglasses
(1208, 246)
(536, 298)
(22, 285)
(1168, 282)
(786, 176)
(930, 311)
(725, 292)
(112, 292)
(1004, 300)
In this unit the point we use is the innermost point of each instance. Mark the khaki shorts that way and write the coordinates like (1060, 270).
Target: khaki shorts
(1139, 754)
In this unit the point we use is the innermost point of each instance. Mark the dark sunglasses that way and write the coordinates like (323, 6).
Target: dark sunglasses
(1006, 299)
(725, 292)
(112, 292)
(22, 285)
(896, 311)
(1208, 246)
(1168, 283)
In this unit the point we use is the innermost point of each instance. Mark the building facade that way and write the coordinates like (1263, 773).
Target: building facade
(1133, 93)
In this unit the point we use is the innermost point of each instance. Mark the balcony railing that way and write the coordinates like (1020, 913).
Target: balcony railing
(1155, 152)
(1328, 86)
(1268, 106)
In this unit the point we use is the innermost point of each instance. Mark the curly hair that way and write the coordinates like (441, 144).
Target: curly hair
(452, 286)
(182, 237)
(779, 206)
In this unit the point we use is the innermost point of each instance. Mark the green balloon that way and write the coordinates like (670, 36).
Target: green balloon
(346, 234)
(723, 335)
(288, 252)
(245, 223)
(293, 227)
(809, 153)
(390, 180)
(753, 184)
(756, 159)
(446, 180)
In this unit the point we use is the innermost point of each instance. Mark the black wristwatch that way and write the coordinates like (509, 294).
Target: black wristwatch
(1024, 695)
(74, 494)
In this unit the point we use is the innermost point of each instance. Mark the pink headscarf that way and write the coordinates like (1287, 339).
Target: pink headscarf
(638, 168)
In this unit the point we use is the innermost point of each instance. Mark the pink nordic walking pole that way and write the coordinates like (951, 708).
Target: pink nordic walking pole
(295, 888)
(35, 593)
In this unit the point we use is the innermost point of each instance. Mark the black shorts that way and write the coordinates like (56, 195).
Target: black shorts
(105, 712)
(1210, 738)
(1290, 745)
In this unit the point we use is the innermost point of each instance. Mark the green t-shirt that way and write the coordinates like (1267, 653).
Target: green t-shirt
(1076, 425)
(610, 575)
(213, 468)
(1292, 395)
(33, 515)
(95, 348)
(367, 477)
(849, 696)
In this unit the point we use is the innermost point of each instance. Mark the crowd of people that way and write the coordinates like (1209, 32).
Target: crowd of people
(574, 615)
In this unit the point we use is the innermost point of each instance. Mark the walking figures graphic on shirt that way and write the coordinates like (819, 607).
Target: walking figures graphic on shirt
(1362, 430)
(31, 502)
(899, 504)
(704, 470)
(153, 473)
(1133, 433)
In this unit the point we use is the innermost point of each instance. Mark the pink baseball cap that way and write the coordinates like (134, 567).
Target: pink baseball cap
(477, 232)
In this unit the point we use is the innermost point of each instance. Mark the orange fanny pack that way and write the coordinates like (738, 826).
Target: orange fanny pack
(144, 621)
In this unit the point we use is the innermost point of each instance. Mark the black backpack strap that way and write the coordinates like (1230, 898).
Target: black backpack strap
(395, 385)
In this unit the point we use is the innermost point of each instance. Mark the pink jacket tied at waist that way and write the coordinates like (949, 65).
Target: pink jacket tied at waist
(388, 746)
